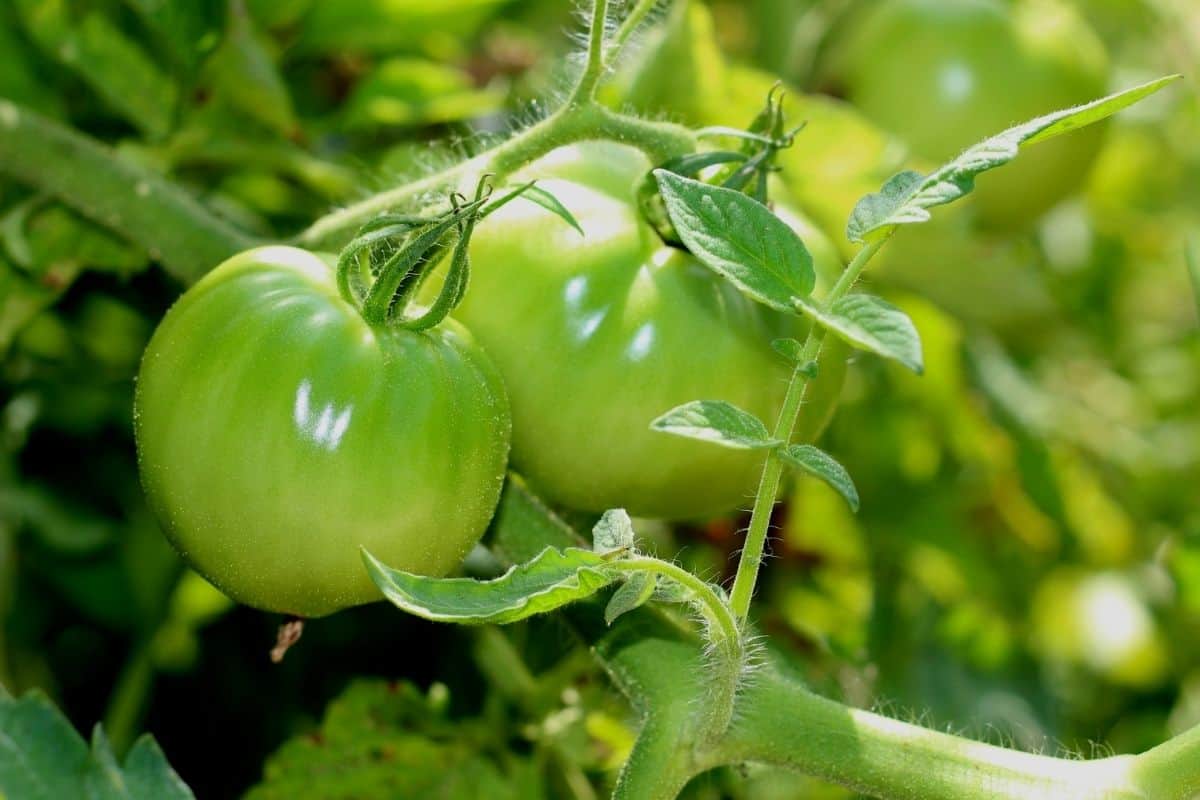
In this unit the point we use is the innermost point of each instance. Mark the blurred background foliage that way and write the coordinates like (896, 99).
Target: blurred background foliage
(1026, 566)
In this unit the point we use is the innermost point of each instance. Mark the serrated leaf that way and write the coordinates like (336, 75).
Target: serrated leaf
(718, 422)
(632, 594)
(552, 579)
(740, 239)
(907, 197)
(819, 464)
(613, 532)
(536, 194)
(871, 323)
(43, 758)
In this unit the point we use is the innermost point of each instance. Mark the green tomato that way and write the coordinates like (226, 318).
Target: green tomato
(944, 75)
(278, 433)
(597, 335)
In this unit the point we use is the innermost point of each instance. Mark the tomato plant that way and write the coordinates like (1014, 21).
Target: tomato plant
(278, 432)
(993, 531)
(944, 75)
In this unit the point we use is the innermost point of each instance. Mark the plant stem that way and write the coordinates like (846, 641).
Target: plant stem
(725, 676)
(128, 700)
(593, 71)
(632, 21)
(768, 486)
(171, 225)
(717, 613)
(1171, 771)
(780, 722)
(580, 118)
(572, 123)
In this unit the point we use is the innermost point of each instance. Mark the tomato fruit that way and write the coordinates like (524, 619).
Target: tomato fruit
(278, 432)
(596, 336)
(944, 75)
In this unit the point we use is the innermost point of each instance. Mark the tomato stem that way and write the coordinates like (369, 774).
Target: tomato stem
(581, 118)
(768, 487)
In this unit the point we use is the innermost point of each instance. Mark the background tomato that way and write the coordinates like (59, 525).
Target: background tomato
(944, 75)
(277, 433)
(599, 335)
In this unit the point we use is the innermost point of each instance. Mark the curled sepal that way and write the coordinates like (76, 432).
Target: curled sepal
(718, 422)
(870, 323)
(552, 579)
(740, 239)
(613, 533)
(907, 197)
(819, 464)
(637, 589)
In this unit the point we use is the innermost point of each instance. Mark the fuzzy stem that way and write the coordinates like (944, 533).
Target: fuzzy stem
(571, 123)
(723, 681)
(715, 611)
(634, 19)
(1171, 771)
(136, 202)
(780, 722)
(768, 487)
(593, 71)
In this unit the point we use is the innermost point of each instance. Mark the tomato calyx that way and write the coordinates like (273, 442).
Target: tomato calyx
(745, 169)
(391, 256)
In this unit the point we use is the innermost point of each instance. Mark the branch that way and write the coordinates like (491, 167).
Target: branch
(139, 204)
(782, 723)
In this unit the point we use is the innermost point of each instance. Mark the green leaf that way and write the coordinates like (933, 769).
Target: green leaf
(554, 578)
(740, 239)
(244, 72)
(633, 593)
(907, 197)
(818, 463)
(718, 422)
(614, 532)
(114, 65)
(43, 758)
(386, 739)
(536, 194)
(871, 323)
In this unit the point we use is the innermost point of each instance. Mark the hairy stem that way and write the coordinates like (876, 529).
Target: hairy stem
(768, 486)
(572, 123)
(593, 70)
(632, 22)
(171, 225)
(1171, 771)
(782, 723)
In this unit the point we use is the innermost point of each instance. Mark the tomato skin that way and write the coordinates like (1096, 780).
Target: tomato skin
(278, 433)
(944, 75)
(596, 336)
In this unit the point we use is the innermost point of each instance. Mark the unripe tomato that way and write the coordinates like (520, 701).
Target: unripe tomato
(278, 433)
(944, 75)
(597, 335)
